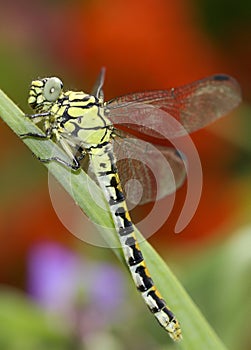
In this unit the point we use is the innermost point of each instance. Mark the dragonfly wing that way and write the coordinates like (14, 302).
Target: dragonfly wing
(193, 106)
(158, 171)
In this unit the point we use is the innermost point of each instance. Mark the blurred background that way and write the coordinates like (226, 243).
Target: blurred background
(50, 295)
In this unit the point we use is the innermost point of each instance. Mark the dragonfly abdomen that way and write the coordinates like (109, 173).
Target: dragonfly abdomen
(104, 166)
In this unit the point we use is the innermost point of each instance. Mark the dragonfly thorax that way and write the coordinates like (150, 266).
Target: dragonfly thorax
(82, 117)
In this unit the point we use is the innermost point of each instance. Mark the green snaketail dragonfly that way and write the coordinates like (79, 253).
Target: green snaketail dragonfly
(84, 123)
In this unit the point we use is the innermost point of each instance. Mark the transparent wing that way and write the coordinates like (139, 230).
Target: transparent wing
(193, 106)
(154, 172)
(147, 172)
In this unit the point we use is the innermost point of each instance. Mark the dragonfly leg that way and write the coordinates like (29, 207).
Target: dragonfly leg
(36, 135)
(74, 166)
(37, 115)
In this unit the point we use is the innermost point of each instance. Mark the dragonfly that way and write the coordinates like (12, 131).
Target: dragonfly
(86, 126)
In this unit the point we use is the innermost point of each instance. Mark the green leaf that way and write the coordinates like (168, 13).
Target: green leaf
(25, 326)
(197, 333)
(220, 280)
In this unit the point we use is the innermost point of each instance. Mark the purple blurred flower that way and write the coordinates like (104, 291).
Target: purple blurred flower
(84, 293)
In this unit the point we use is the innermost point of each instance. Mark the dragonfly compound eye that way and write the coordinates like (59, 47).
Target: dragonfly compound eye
(52, 89)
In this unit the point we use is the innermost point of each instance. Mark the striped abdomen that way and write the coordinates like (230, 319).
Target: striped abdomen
(104, 166)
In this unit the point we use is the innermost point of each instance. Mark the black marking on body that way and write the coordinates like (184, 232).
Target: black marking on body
(65, 117)
(83, 99)
(125, 231)
(63, 101)
(160, 303)
(169, 314)
(118, 199)
(113, 170)
(147, 282)
(78, 127)
(122, 213)
(106, 127)
(100, 145)
(88, 106)
(76, 130)
(35, 94)
(137, 256)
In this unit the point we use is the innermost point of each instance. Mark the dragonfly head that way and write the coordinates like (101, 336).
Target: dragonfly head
(44, 92)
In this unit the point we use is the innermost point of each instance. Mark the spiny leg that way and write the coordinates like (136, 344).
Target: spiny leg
(47, 136)
(59, 160)
(35, 135)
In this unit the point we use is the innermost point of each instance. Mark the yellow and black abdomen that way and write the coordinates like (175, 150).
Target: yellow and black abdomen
(104, 166)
